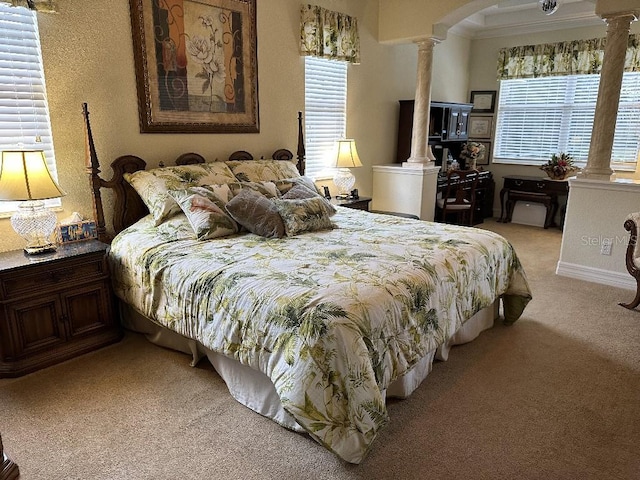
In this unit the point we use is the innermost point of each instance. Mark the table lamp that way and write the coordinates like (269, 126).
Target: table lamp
(346, 158)
(24, 177)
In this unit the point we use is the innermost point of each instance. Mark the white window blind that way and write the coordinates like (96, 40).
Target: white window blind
(325, 97)
(24, 113)
(538, 117)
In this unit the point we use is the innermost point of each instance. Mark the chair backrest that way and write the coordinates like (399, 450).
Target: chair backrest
(460, 192)
(461, 188)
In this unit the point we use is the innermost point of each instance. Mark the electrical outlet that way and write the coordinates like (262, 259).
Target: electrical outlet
(605, 249)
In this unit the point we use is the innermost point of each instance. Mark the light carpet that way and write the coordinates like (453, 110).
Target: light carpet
(555, 396)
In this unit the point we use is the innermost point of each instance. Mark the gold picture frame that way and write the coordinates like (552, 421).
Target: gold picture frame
(196, 65)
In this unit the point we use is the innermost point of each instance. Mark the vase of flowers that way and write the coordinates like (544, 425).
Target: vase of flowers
(471, 153)
(560, 167)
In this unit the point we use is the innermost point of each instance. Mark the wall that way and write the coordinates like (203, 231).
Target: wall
(450, 77)
(409, 20)
(88, 56)
(597, 211)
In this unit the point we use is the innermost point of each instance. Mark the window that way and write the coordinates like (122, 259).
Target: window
(541, 116)
(325, 98)
(24, 113)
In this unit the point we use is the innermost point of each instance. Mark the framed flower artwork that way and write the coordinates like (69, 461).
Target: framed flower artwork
(196, 65)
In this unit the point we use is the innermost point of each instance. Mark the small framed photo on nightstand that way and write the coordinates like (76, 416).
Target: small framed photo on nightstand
(77, 232)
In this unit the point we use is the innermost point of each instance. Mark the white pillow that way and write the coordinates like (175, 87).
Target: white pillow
(205, 211)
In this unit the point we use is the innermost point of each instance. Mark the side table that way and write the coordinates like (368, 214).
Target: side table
(54, 306)
(360, 203)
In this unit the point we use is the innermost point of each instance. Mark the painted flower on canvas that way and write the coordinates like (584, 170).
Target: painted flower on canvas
(207, 51)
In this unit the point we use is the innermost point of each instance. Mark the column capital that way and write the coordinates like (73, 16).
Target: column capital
(427, 43)
(620, 19)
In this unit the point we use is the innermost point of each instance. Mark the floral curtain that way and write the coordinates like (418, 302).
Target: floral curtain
(328, 34)
(564, 58)
(47, 6)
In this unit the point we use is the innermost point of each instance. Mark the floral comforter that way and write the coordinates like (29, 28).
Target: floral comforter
(331, 317)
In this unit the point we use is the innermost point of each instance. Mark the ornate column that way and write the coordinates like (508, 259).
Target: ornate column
(420, 133)
(604, 123)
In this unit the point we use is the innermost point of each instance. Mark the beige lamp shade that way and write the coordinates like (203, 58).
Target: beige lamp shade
(24, 176)
(347, 156)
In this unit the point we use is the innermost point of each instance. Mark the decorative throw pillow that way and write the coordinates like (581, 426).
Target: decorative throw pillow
(286, 184)
(153, 185)
(301, 191)
(177, 228)
(223, 191)
(268, 189)
(205, 212)
(303, 215)
(262, 170)
(256, 213)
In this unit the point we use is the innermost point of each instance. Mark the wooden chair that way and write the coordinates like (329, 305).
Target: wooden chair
(633, 256)
(458, 198)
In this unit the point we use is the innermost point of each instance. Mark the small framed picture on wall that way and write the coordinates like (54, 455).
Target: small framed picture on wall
(480, 127)
(484, 101)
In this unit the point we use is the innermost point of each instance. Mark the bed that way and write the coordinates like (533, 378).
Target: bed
(317, 327)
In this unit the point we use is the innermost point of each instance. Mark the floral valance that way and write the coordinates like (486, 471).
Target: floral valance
(565, 58)
(328, 34)
(47, 6)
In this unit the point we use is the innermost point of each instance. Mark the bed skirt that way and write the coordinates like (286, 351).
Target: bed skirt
(254, 389)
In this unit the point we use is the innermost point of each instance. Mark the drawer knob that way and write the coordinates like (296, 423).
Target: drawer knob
(518, 183)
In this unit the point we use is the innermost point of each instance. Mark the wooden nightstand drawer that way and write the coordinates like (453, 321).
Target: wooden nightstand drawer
(38, 279)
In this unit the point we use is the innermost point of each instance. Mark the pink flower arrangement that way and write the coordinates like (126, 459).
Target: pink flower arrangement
(472, 152)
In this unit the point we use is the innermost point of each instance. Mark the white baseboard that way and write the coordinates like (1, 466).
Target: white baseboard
(596, 275)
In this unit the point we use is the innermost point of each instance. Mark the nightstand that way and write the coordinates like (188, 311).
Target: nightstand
(54, 306)
(361, 203)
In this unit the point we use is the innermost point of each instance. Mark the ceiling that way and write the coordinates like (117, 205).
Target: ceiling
(509, 17)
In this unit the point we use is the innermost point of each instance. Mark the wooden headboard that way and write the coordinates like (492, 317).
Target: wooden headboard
(128, 206)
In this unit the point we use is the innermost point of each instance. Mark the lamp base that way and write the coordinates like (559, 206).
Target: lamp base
(35, 224)
(51, 247)
(344, 180)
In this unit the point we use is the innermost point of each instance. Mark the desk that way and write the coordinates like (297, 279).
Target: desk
(535, 185)
(484, 194)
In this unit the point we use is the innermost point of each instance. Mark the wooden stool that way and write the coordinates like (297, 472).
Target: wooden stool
(531, 197)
